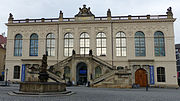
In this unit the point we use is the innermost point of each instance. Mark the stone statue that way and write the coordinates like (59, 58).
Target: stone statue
(90, 52)
(169, 11)
(73, 52)
(10, 17)
(43, 75)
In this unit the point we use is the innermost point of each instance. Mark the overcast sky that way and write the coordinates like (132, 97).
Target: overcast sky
(22, 9)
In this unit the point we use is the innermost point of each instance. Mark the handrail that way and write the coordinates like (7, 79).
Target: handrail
(104, 62)
(96, 80)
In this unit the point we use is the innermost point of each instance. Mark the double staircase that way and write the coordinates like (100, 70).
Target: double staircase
(102, 63)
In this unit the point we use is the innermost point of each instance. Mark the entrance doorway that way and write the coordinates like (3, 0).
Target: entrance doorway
(81, 75)
(141, 77)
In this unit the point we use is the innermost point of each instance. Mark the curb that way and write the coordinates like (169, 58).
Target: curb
(17, 93)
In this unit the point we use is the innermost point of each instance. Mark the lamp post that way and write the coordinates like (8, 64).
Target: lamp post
(6, 77)
(146, 81)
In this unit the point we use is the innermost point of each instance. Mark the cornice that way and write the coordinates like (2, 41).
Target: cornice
(91, 22)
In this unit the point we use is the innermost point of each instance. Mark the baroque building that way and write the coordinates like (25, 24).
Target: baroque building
(2, 56)
(108, 51)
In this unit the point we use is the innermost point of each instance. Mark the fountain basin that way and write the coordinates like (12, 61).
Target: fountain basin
(42, 87)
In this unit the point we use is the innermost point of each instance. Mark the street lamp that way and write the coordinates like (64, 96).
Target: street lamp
(146, 81)
(6, 77)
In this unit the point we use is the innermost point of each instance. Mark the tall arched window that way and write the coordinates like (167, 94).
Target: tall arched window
(16, 72)
(161, 74)
(50, 44)
(159, 45)
(98, 72)
(140, 48)
(34, 45)
(67, 72)
(84, 43)
(68, 44)
(120, 44)
(101, 44)
(18, 45)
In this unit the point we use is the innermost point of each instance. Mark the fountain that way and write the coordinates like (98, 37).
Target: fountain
(42, 86)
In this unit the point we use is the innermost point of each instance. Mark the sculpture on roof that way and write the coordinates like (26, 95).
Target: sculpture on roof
(10, 17)
(84, 12)
(169, 11)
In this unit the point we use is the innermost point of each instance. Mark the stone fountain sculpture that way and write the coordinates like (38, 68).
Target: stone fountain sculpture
(43, 75)
(42, 86)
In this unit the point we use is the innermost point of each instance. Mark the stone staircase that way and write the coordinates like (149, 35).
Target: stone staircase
(103, 77)
(54, 77)
(63, 62)
(52, 70)
(102, 62)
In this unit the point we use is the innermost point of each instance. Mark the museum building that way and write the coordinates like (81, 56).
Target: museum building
(107, 51)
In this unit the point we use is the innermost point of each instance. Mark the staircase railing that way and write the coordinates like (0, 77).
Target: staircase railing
(104, 76)
(102, 62)
(63, 62)
(54, 77)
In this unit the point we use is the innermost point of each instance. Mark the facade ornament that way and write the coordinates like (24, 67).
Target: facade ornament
(73, 52)
(84, 12)
(169, 13)
(43, 75)
(10, 19)
(90, 52)
(61, 16)
(109, 14)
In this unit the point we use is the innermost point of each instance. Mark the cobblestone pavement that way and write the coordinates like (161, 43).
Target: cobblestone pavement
(98, 94)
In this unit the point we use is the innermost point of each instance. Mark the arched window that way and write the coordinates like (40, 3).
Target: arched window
(34, 45)
(140, 48)
(16, 72)
(67, 72)
(101, 44)
(18, 45)
(84, 43)
(50, 44)
(159, 45)
(120, 44)
(68, 44)
(161, 74)
(98, 72)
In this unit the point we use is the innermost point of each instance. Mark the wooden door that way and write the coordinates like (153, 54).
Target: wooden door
(141, 77)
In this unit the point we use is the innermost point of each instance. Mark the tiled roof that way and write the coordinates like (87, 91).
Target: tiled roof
(177, 46)
(3, 40)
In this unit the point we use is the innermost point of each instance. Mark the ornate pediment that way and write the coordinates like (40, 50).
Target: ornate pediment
(84, 12)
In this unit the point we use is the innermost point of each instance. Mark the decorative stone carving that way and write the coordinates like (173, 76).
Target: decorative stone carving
(10, 17)
(84, 12)
(43, 75)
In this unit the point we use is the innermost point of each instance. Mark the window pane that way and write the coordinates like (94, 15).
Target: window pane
(103, 51)
(118, 52)
(81, 50)
(65, 51)
(123, 51)
(103, 42)
(98, 51)
(81, 42)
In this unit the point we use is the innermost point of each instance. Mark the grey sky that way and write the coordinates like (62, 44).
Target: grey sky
(22, 9)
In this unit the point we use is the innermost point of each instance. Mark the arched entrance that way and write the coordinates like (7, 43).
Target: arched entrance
(81, 73)
(141, 77)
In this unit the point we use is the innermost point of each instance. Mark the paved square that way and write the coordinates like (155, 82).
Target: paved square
(99, 94)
